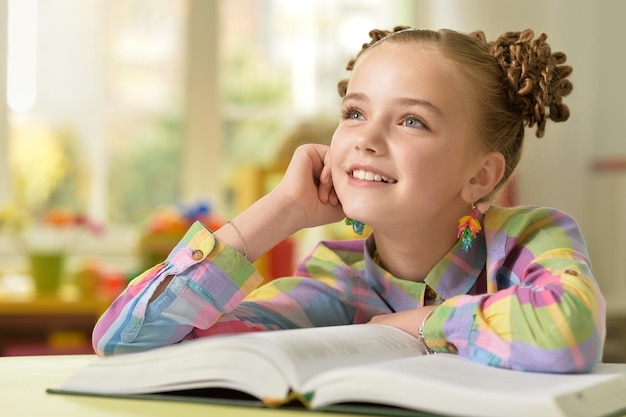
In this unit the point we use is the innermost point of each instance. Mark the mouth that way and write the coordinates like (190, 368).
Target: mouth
(361, 174)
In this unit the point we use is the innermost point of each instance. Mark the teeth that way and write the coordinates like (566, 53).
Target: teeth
(370, 176)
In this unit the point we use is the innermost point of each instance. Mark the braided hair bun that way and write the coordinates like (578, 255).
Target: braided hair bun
(535, 77)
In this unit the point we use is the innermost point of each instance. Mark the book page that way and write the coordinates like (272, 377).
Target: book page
(201, 363)
(306, 352)
(428, 383)
(264, 364)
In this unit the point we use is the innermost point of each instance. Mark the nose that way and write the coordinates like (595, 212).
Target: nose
(371, 139)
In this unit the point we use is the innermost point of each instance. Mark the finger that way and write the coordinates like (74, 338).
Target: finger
(332, 198)
(324, 192)
(373, 320)
(326, 185)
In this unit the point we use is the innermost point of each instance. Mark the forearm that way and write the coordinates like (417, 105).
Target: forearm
(408, 320)
(304, 198)
(202, 289)
(255, 231)
(554, 326)
(269, 221)
(119, 331)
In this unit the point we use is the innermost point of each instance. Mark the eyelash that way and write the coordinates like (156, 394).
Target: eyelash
(350, 111)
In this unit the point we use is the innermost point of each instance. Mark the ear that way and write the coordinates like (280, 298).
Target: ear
(488, 175)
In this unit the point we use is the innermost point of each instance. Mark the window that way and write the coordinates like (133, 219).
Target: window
(103, 87)
(101, 83)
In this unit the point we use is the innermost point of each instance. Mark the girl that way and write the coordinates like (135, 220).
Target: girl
(432, 126)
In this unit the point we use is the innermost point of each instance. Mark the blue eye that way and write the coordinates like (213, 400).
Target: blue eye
(351, 113)
(413, 122)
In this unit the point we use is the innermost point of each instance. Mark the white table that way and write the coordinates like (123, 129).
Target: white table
(24, 380)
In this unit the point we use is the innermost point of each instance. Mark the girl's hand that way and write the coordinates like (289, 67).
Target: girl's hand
(304, 198)
(408, 320)
(308, 183)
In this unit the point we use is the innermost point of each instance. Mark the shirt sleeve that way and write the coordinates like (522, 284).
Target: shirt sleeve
(543, 310)
(210, 279)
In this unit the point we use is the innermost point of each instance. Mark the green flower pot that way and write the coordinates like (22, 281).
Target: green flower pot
(46, 269)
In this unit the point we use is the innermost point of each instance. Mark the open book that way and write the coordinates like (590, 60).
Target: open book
(347, 368)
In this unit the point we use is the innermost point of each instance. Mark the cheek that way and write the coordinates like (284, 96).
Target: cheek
(336, 174)
(337, 141)
(338, 152)
(432, 172)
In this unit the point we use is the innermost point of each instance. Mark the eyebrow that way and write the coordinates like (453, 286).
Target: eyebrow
(405, 101)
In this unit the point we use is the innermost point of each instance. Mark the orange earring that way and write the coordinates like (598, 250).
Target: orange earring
(469, 226)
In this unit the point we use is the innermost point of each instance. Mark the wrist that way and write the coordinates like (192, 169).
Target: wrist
(259, 228)
(420, 332)
(288, 212)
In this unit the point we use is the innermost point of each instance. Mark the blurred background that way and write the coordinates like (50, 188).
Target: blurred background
(126, 120)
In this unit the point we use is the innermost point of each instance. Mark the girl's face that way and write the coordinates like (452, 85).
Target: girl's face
(404, 148)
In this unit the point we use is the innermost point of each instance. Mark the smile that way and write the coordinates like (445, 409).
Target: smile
(370, 176)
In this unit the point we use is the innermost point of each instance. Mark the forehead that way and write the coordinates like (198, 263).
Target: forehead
(410, 69)
(407, 61)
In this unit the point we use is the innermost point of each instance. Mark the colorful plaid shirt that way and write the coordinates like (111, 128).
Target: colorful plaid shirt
(522, 297)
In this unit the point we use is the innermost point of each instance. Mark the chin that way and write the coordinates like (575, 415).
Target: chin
(355, 215)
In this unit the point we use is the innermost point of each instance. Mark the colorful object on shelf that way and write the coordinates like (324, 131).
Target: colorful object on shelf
(65, 218)
(95, 280)
(179, 217)
(19, 221)
(167, 225)
(46, 269)
(45, 240)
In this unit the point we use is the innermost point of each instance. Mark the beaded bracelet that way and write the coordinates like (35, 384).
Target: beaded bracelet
(420, 334)
(243, 242)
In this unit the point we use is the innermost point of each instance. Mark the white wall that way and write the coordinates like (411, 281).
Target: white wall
(556, 170)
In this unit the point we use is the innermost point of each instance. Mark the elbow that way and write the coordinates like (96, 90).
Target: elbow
(98, 350)
(101, 345)
(115, 338)
(575, 347)
(104, 346)
(108, 339)
(572, 344)
(581, 358)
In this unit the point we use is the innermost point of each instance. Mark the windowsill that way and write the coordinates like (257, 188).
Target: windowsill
(116, 249)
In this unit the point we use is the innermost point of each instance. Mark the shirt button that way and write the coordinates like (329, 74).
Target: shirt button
(197, 254)
(571, 272)
(430, 294)
(451, 348)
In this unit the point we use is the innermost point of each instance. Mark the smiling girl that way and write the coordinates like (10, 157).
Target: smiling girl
(432, 126)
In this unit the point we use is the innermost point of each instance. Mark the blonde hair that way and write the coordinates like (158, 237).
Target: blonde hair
(517, 82)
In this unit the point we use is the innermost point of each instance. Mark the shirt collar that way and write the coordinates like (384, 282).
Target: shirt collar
(455, 274)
